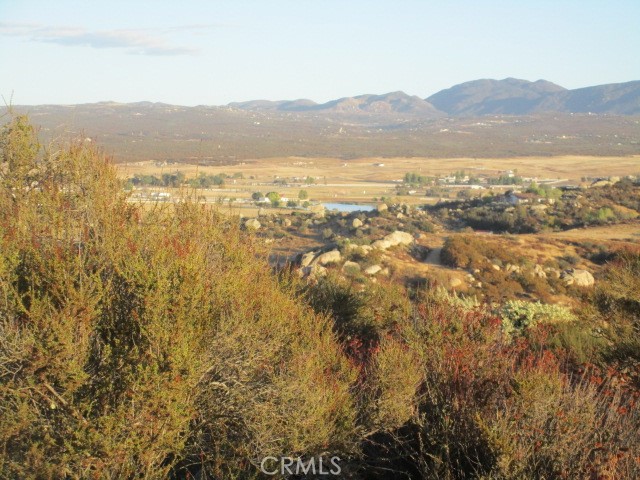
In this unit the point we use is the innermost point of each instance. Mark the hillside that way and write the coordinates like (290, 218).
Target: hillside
(141, 342)
(521, 97)
(390, 103)
(481, 97)
(618, 99)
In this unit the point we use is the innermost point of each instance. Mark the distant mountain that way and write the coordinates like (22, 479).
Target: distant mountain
(481, 97)
(614, 98)
(512, 96)
(509, 96)
(275, 106)
(390, 103)
(395, 102)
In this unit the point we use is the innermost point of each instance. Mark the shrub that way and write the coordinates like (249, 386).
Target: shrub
(518, 315)
(489, 408)
(140, 342)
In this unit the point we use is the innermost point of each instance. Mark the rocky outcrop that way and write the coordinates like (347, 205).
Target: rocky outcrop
(399, 238)
(511, 268)
(580, 278)
(539, 272)
(393, 239)
(326, 258)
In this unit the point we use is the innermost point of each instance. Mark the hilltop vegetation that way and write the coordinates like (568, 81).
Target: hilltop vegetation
(158, 343)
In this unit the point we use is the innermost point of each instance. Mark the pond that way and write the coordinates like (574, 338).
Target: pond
(348, 207)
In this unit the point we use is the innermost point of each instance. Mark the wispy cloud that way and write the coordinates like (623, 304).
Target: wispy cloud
(138, 42)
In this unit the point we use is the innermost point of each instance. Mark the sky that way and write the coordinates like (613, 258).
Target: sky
(197, 52)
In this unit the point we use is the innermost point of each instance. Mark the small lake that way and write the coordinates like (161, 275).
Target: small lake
(348, 207)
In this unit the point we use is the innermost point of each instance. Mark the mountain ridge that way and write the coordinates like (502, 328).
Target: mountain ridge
(509, 96)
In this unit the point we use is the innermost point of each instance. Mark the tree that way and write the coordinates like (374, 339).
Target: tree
(303, 195)
(256, 195)
(274, 198)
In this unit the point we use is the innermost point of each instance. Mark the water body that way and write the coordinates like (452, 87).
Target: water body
(348, 207)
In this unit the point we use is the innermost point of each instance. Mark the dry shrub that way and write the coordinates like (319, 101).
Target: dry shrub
(396, 376)
(137, 342)
(494, 408)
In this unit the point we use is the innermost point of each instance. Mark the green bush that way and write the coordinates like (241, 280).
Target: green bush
(518, 315)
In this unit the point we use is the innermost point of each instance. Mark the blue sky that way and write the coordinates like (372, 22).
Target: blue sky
(214, 52)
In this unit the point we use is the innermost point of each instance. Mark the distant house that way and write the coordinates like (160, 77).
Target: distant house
(160, 196)
(449, 179)
(378, 164)
(515, 198)
(263, 200)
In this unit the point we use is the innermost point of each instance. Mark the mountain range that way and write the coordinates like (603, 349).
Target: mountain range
(510, 96)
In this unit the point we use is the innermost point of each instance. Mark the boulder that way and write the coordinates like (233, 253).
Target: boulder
(252, 224)
(307, 258)
(381, 244)
(365, 249)
(350, 247)
(262, 212)
(372, 270)
(511, 268)
(332, 256)
(399, 238)
(539, 272)
(356, 223)
(312, 271)
(496, 267)
(580, 278)
(382, 207)
(455, 282)
(351, 267)
(286, 222)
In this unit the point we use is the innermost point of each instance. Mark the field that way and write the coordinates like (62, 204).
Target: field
(361, 180)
